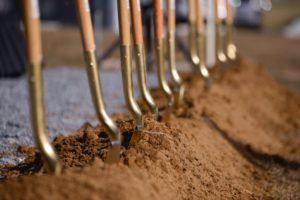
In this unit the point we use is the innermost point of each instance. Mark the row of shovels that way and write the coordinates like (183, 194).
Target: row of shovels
(129, 17)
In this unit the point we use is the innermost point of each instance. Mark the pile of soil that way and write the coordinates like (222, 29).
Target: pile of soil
(238, 140)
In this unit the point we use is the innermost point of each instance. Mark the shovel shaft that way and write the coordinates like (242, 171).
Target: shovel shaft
(158, 19)
(171, 37)
(231, 50)
(132, 105)
(136, 22)
(32, 31)
(221, 57)
(200, 42)
(192, 10)
(192, 31)
(84, 17)
(126, 62)
(34, 57)
(124, 22)
(199, 18)
(139, 51)
(97, 97)
(87, 36)
(178, 90)
(216, 12)
(229, 16)
(159, 50)
(171, 15)
(202, 69)
(160, 61)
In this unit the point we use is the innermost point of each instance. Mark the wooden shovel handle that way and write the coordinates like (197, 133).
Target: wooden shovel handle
(216, 12)
(124, 22)
(192, 10)
(229, 17)
(85, 22)
(136, 21)
(158, 19)
(200, 18)
(32, 27)
(171, 15)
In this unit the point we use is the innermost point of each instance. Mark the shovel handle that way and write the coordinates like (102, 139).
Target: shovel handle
(85, 22)
(192, 10)
(31, 18)
(171, 15)
(216, 12)
(136, 21)
(229, 16)
(158, 19)
(124, 22)
(199, 15)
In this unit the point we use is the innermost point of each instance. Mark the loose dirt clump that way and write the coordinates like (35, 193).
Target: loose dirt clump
(238, 140)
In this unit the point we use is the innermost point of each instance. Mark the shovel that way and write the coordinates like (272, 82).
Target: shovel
(221, 56)
(159, 55)
(126, 61)
(231, 50)
(192, 31)
(34, 59)
(200, 44)
(179, 88)
(87, 36)
(139, 51)
(197, 39)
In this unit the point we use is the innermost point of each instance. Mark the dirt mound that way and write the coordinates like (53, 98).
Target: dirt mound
(239, 140)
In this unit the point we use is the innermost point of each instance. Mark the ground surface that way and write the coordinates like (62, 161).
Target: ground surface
(238, 140)
(279, 54)
(68, 105)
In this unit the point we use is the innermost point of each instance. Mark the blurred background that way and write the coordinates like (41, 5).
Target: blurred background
(267, 30)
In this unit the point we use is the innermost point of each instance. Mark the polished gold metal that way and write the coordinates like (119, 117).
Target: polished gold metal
(230, 46)
(160, 62)
(221, 56)
(140, 60)
(179, 88)
(125, 53)
(38, 120)
(202, 69)
(192, 43)
(113, 154)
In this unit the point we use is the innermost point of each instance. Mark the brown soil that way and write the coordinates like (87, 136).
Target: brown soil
(238, 140)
